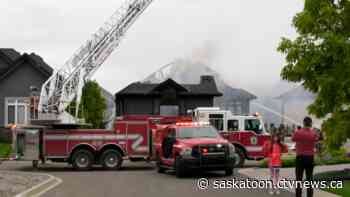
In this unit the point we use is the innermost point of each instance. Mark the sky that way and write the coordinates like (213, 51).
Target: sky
(238, 37)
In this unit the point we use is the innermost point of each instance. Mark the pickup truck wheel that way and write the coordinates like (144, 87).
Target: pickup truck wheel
(82, 160)
(179, 168)
(111, 160)
(229, 172)
(240, 159)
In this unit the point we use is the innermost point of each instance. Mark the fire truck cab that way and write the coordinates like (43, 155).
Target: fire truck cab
(192, 145)
(246, 133)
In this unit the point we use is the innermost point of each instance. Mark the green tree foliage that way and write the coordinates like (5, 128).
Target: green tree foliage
(92, 105)
(319, 58)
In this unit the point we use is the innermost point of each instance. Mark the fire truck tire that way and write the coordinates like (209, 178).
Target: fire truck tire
(82, 160)
(179, 168)
(111, 160)
(241, 158)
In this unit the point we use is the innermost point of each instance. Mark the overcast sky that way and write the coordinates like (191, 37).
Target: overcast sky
(240, 35)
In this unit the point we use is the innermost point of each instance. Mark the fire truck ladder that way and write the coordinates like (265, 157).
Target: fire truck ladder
(66, 83)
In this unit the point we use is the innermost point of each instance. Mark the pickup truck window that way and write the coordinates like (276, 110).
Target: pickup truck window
(197, 132)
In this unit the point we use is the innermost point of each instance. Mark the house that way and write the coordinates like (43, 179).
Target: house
(18, 75)
(165, 98)
(235, 100)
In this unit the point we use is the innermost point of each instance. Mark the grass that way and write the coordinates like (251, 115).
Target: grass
(5, 150)
(345, 191)
(336, 175)
(289, 161)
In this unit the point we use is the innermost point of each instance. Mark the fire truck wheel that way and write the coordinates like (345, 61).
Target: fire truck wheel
(82, 160)
(179, 168)
(111, 160)
(240, 158)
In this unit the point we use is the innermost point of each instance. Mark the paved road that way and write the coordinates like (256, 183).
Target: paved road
(135, 179)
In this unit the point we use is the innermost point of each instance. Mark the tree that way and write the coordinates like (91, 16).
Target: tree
(92, 105)
(319, 58)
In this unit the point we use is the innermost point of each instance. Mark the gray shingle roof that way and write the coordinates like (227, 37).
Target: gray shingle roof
(16, 61)
(237, 93)
(10, 53)
(139, 88)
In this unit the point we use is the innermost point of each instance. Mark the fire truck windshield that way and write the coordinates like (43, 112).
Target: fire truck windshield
(197, 132)
(253, 125)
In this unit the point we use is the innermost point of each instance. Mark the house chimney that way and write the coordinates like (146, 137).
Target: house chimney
(207, 79)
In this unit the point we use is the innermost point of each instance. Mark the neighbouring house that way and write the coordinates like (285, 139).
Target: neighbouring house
(165, 98)
(235, 100)
(18, 74)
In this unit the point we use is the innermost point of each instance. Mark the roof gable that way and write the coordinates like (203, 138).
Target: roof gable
(169, 83)
(138, 88)
(7, 57)
(34, 60)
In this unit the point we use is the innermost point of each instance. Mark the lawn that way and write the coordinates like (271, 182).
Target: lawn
(5, 150)
(336, 175)
(345, 191)
(289, 161)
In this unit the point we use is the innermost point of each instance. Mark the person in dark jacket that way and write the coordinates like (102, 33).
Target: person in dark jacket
(305, 140)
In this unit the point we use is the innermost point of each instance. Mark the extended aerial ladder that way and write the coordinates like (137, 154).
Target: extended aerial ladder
(66, 83)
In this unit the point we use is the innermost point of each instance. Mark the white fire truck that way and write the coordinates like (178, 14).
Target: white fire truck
(247, 133)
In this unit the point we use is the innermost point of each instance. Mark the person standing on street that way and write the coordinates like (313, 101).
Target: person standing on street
(305, 140)
(273, 150)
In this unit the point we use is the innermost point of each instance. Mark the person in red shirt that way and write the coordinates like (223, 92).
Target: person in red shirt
(305, 140)
(273, 150)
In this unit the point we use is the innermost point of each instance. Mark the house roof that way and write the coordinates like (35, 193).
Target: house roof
(203, 88)
(12, 54)
(238, 93)
(8, 57)
(34, 60)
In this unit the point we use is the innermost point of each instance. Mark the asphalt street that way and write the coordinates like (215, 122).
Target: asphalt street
(134, 179)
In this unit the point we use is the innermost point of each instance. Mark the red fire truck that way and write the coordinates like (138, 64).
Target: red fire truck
(132, 138)
(246, 133)
(192, 145)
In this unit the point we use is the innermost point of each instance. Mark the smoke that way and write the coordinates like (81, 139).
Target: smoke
(205, 54)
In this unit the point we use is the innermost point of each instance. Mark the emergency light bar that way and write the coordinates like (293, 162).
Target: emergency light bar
(192, 124)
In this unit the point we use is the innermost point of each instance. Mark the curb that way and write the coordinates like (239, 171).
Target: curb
(317, 192)
(41, 188)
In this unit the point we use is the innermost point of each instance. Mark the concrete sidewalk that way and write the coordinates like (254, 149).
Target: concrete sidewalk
(289, 173)
(25, 184)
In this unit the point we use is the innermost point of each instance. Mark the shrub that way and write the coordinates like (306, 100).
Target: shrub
(5, 150)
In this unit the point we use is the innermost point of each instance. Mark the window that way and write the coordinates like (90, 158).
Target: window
(217, 120)
(232, 125)
(169, 110)
(253, 125)
(197, 132)
(172, 133)
(16, 110)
